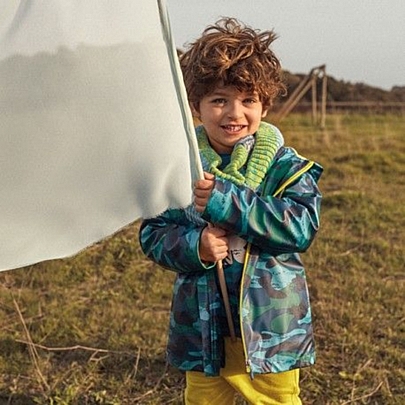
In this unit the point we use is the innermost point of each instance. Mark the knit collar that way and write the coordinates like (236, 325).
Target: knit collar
(257, 150)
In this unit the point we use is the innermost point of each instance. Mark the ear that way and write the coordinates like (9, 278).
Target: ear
(195, 110)
(265, 111)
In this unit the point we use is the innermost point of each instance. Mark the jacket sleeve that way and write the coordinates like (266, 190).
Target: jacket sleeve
(172, 241)
(278, 225)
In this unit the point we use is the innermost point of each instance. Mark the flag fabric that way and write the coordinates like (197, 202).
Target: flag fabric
(93, 131)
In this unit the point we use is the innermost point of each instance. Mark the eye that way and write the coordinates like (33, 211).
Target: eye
(218, 101)
(250, 100)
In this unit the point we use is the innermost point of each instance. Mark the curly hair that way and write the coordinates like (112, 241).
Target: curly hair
(232, 54)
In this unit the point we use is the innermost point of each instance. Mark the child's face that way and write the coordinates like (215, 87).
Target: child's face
(229, 115)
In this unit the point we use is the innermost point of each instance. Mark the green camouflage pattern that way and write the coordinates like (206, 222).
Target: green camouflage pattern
(275, 314)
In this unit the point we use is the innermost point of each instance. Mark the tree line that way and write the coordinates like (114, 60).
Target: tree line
(344, 91)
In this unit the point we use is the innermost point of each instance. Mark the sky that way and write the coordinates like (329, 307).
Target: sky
(358, 40)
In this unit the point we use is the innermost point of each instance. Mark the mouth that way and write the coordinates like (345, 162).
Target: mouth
(233, 128)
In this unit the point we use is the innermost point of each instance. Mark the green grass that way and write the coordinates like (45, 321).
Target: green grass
(92, 329)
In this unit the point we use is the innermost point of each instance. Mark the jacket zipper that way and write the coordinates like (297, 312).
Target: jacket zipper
(245, 262)
(277, 193)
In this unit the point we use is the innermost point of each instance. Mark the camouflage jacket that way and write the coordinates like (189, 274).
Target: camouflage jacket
(278, 220)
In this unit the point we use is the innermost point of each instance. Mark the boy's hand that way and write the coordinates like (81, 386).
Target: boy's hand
(202, 191)
(213, 244)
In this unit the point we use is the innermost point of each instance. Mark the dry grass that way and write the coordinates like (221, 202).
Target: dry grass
(92, 329)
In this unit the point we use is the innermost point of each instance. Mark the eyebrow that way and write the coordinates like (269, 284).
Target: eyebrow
(223, 93)
(218, 93)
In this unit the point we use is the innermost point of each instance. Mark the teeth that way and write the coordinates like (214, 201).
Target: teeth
(233, 128)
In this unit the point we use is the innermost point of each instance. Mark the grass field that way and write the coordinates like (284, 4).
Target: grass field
(92, 329)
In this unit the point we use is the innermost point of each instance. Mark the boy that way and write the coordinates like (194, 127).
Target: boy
(256, 209)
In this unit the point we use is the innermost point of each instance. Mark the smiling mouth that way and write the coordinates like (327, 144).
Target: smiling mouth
(233, 128)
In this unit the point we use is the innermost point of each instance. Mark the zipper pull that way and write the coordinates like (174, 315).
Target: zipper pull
(249, 369)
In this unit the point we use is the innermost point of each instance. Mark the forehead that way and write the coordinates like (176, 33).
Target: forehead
(231, 91)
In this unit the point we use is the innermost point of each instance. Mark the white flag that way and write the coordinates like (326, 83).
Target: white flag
(92, 132)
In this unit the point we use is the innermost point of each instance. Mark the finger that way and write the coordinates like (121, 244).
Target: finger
(220, 255)
(208, 176)
(216, 255)
(218, 232)
(203, 184)
(200, 200)
(201, 193)
(199, 208)
(215, 236)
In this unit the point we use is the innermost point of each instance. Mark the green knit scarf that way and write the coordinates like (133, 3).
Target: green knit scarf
(267, 142)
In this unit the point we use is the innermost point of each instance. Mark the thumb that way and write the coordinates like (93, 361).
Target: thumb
(208, 176)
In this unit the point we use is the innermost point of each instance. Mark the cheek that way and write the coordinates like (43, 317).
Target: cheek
(258, 115)
(210, 114)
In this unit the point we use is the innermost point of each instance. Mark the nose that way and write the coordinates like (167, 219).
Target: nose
(235, 110)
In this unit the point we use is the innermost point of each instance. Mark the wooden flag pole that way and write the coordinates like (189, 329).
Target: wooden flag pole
(224, 291)
(192, 140)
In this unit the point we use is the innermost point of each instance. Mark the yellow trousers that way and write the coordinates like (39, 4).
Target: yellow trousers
(264, 389)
